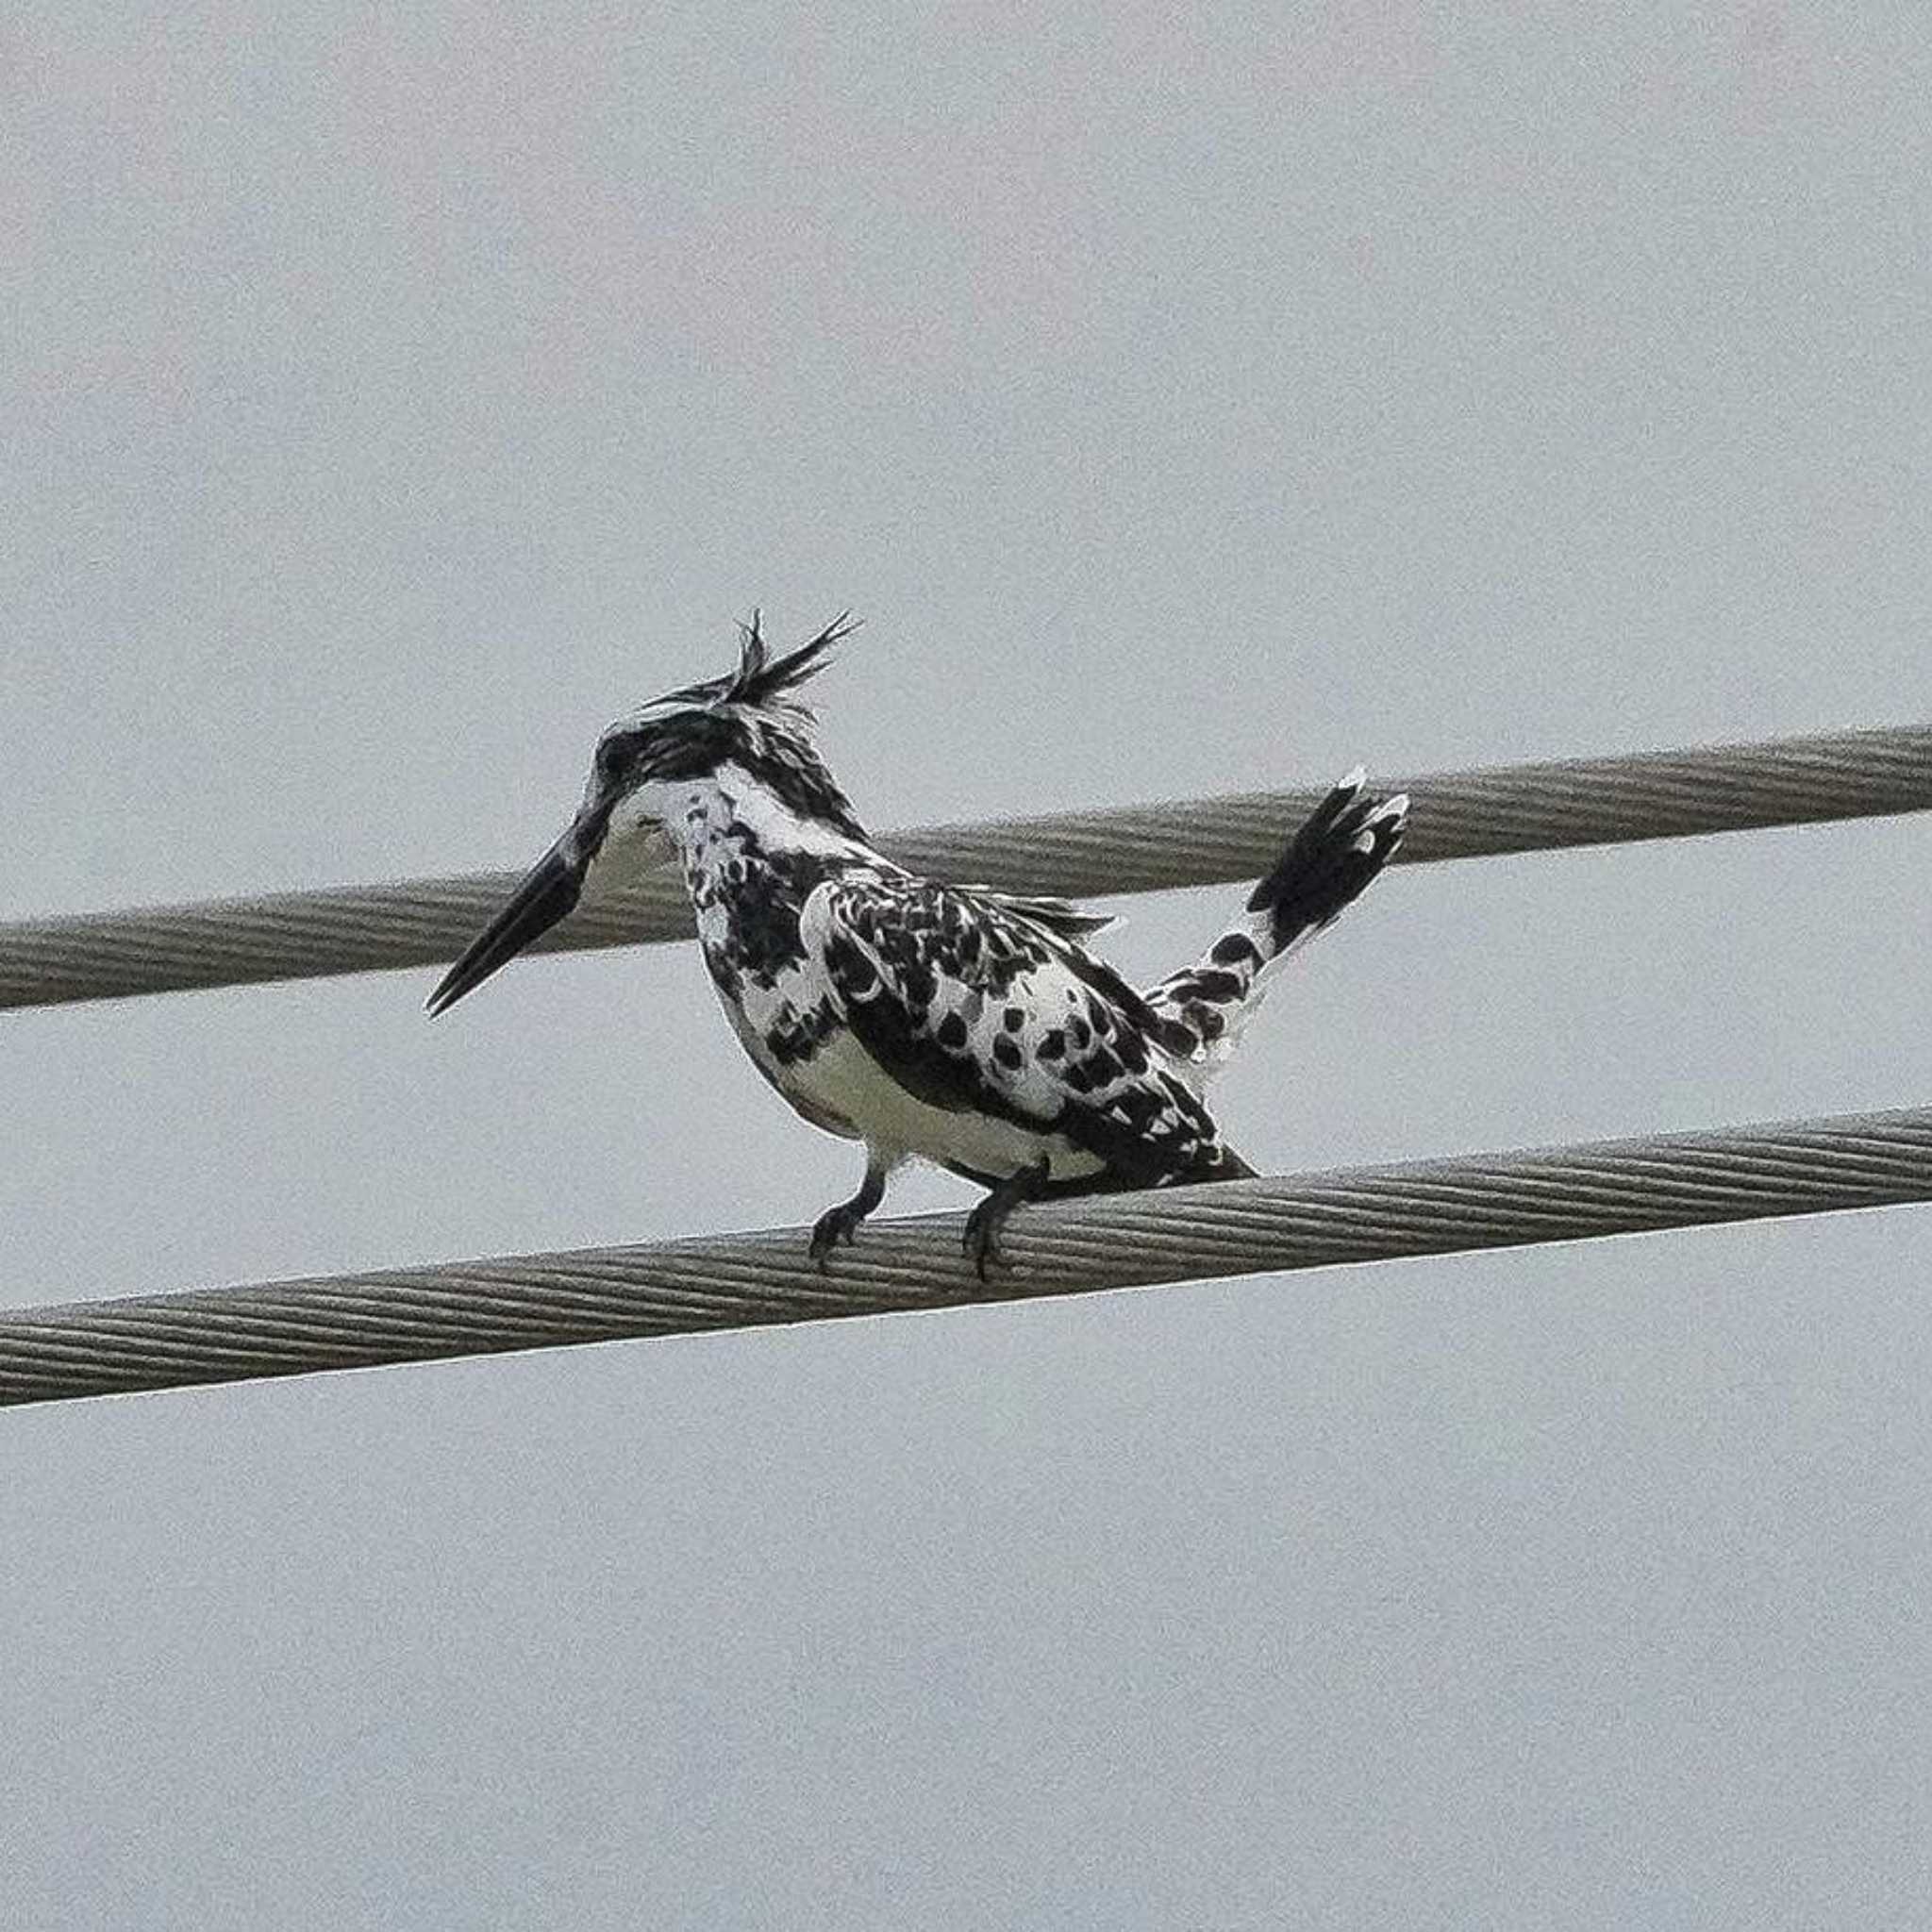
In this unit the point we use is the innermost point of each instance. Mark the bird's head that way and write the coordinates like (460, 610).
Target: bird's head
(658, 777)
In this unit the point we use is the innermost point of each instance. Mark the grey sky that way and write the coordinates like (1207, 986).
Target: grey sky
(1187, 404)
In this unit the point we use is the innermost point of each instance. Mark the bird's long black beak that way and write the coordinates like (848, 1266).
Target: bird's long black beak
(550, 888)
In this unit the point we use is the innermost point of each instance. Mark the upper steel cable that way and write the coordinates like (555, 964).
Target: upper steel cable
(1068, 1247)
(1118, 849)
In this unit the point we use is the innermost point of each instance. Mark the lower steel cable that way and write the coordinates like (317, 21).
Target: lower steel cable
(1069, 1247)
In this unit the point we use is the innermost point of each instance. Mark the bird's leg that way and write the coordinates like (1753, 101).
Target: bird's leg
(982, 1241)
(840, 1223)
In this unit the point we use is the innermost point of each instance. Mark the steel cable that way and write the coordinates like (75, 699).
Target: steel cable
(1119, 849)
(1071, 1247)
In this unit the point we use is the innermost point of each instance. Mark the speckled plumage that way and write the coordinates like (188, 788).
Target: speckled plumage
(953, 1023)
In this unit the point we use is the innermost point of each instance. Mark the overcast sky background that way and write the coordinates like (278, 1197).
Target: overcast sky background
(1188, 404)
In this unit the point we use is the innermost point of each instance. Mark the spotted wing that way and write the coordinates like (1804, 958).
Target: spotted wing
(973, 1004)
(1058, 915)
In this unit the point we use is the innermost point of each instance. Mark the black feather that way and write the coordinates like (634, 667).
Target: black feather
(1325, 867)
(761, 680)
(758, 680)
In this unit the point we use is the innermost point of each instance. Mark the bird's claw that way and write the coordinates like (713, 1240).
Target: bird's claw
(980, 1242)
(834, 1225)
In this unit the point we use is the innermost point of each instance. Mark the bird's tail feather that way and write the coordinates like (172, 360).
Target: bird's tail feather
(1350, 837)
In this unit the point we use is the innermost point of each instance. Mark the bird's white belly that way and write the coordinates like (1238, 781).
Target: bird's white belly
(842, 1080)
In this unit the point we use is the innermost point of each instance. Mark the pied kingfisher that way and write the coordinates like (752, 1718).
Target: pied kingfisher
(966, 1025)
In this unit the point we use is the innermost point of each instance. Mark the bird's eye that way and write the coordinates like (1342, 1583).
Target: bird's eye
(612, 755)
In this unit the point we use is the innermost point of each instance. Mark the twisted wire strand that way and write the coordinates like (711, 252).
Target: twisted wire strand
(1070, 1247)
(1120, 849)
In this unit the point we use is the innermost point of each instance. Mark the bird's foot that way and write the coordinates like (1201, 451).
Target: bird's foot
(835, 1224)
(981, 1243)
(840, 1223)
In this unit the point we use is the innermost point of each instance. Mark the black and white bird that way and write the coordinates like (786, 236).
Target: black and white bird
(965, 1025)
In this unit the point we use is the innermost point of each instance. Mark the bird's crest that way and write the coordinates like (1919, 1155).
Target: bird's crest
(762, 682)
